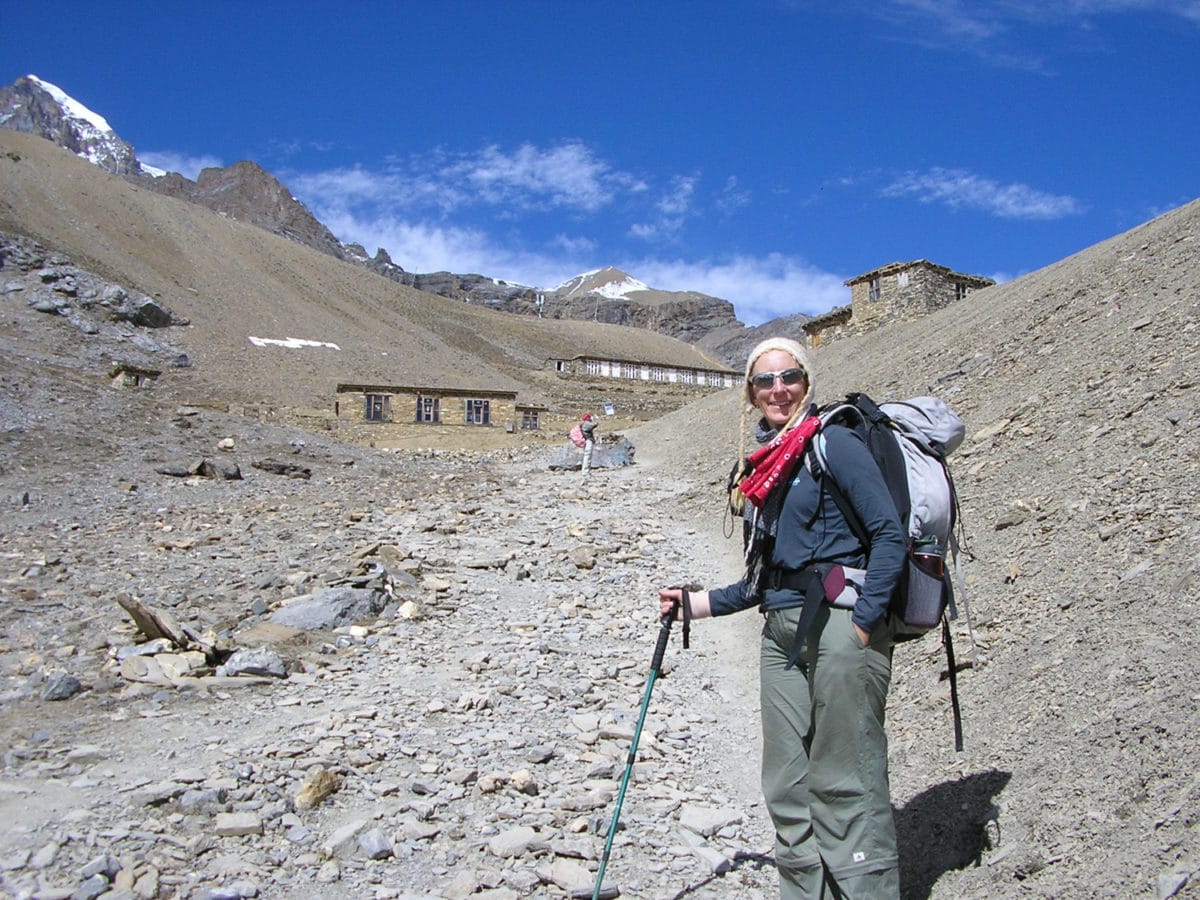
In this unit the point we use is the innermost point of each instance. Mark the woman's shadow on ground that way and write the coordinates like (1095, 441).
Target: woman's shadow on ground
(946, 828)
(939, 830)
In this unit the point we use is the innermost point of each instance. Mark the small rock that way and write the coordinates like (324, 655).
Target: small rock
(374, 844)
(236, 824)
(61, 687)
(513, 842)
(262, 661)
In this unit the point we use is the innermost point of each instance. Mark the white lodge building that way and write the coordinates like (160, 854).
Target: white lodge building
(632, 370)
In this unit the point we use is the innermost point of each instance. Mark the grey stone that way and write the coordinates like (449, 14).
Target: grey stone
(237, 824)
(91, 888)
(262, 661)
(61, 687)
(331, 608)
(512, 842)
(374, 844)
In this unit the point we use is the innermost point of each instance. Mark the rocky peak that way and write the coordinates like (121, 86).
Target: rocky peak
(249, 193)
(381, 263)
(32, 106)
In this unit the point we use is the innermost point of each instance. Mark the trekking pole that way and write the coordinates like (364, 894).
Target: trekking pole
(660, 648)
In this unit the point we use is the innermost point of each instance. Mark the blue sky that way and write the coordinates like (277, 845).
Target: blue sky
(763, 151)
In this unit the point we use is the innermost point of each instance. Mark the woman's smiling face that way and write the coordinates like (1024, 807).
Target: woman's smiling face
(777, 402)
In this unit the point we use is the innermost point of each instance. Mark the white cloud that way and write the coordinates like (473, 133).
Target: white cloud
(186, 165)
(573, 245)
(422, 247)
(678, 201)
(567, 175)
(372, 191)
(760, 288)
(950, 17)
(732, 196)
(419, 246)
(998, 31)
(960, 189)
(672, 211)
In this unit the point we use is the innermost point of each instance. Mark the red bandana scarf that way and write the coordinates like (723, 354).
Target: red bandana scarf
(773, 464)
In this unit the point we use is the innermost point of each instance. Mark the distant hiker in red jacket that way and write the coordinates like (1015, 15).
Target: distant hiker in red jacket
(588, 427)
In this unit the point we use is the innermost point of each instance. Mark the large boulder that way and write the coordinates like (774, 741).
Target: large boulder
(331, 608)
(604, 455)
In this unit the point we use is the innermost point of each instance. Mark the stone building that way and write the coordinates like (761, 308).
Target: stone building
(126, 375)
(362, 407)
(481, 414)
(899, 290)
(594, 366)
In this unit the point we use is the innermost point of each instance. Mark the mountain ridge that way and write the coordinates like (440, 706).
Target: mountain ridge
(247, 192)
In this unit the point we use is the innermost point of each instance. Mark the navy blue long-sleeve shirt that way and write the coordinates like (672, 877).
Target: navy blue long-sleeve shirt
(830, 538)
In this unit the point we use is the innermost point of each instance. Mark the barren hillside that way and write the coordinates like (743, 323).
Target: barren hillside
(234, 281)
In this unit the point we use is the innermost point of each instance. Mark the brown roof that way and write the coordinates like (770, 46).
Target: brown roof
(417, 389)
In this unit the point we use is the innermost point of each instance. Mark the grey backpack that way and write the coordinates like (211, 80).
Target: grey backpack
(910, 441)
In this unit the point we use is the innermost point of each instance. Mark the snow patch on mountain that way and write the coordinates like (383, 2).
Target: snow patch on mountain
(73, 108)
(610, 283)
(618, 289)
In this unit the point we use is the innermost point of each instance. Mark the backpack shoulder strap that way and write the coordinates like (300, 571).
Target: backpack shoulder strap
(826, 481)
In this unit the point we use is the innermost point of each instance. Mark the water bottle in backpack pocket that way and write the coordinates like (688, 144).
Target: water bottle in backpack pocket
(926, 591)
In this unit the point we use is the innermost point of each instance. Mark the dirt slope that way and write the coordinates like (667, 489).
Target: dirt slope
(233, 281)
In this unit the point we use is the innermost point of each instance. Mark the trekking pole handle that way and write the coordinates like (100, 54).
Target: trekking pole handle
(664, 632)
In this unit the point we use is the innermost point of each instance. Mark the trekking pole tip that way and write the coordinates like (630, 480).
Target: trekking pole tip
(608, 891)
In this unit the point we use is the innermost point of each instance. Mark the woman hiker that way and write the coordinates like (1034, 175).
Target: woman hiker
(588, 427)
(824, 763)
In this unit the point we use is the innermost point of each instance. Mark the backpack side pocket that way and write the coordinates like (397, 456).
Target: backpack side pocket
(928, 596)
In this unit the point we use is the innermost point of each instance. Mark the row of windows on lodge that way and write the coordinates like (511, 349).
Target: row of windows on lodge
(429, 411)
(638, 372)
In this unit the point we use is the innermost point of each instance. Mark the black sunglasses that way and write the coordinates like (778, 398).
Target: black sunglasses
(764, 380)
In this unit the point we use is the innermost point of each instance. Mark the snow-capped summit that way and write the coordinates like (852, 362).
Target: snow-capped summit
(607, 282)
(37, 107)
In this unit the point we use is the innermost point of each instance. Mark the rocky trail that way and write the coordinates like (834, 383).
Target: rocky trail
(476, 729)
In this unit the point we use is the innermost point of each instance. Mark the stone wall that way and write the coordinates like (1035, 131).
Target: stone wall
(904, 294)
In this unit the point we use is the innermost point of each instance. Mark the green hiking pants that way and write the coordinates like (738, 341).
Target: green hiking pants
(824, 767)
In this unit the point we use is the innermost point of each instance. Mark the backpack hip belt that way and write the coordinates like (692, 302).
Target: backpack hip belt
(841, 585)
(819, 584)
